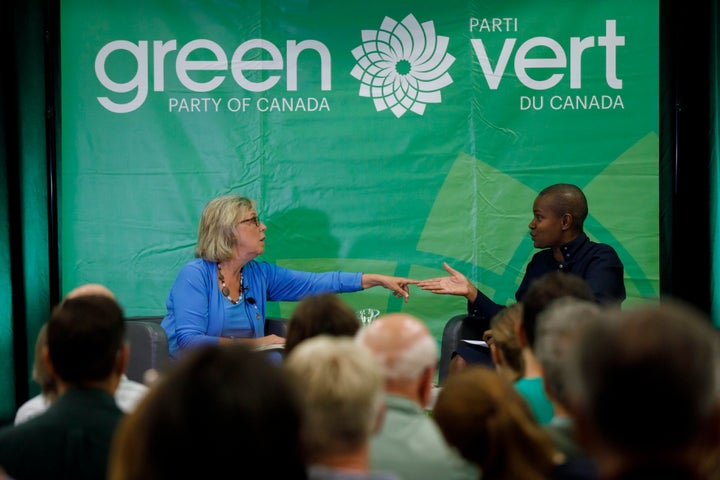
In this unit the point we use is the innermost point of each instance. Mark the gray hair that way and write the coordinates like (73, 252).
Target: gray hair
(406, 363)
(646, 378)
(341, 386)
(557, 331)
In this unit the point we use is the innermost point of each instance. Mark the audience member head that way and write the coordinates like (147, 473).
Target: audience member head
(644, 385)
(504, 347)
(218, 408)
(40, 373)
(482, 415)
(557, 331)
(85, 341)
(324, 313)
(90, 289)
(544, 290)
(407, 352)
(218, 222)
(341, 386)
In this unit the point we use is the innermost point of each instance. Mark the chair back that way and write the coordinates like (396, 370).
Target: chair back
(456, 329)
(148, 346)
(276, 325)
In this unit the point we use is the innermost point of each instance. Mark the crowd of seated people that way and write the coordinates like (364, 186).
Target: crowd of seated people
(634, 393)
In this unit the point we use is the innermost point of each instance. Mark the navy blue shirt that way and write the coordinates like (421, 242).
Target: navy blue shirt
(597, 263)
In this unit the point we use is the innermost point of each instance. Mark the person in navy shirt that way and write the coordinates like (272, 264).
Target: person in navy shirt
(559, 212)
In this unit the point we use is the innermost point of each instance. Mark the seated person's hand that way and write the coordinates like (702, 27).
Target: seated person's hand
(455, 284)
(271, 339)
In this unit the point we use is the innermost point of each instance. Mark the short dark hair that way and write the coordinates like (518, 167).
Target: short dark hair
(218, 403)
(567, 198)
(546, 288)
(84, 335)
(324, 313)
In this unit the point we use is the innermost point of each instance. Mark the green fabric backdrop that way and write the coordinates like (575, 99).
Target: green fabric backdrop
(448, 172)
(24, 200)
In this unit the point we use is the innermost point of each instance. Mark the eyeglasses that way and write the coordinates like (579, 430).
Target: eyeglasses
(255, 220)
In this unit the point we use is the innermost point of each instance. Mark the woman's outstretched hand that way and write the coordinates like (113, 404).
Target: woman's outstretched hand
(398, 285)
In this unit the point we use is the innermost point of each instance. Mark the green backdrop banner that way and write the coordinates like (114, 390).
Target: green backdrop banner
(374, 136)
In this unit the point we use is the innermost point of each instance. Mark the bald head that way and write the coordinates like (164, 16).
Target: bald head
(567, 198)
(402, 343)
(90, 289)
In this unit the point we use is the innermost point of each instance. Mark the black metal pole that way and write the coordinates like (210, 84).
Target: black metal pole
(11, 132)
(52, 54)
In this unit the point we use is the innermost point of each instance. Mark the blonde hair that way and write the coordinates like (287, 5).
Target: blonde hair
(503, 326)
(216, 231)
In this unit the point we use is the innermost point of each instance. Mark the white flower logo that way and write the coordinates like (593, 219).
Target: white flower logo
(403, 65)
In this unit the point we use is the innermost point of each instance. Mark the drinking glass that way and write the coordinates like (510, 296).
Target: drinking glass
(367, 315)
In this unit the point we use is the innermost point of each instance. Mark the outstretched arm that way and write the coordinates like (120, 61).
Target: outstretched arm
(398, 285)
(455, 284)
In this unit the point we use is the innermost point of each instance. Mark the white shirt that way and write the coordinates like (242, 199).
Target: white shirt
(127, 395)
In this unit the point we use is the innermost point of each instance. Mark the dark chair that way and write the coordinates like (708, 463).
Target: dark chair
(278, 326)
(456, 329)
(149, 345)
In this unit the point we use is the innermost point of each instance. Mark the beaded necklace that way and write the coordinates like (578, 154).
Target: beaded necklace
(226, 291)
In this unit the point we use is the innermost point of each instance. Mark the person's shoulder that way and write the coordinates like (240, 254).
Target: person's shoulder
(541, 257)
(578, 468)
(129, 393)
(257, 264)
(131, 385)
(603, 249)
(31, 408)
(18, 433)
(197, 264)
(528, 384)
(194, 267)
(7, 432)
(586, 244)
(261, 267)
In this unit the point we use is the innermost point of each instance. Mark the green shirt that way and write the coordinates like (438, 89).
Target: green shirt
(411, 445)
(533, 391)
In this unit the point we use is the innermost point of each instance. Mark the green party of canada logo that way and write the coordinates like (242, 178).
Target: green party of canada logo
(403, 65)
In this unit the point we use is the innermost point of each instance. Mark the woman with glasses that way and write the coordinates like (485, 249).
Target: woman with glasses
(220, 296)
